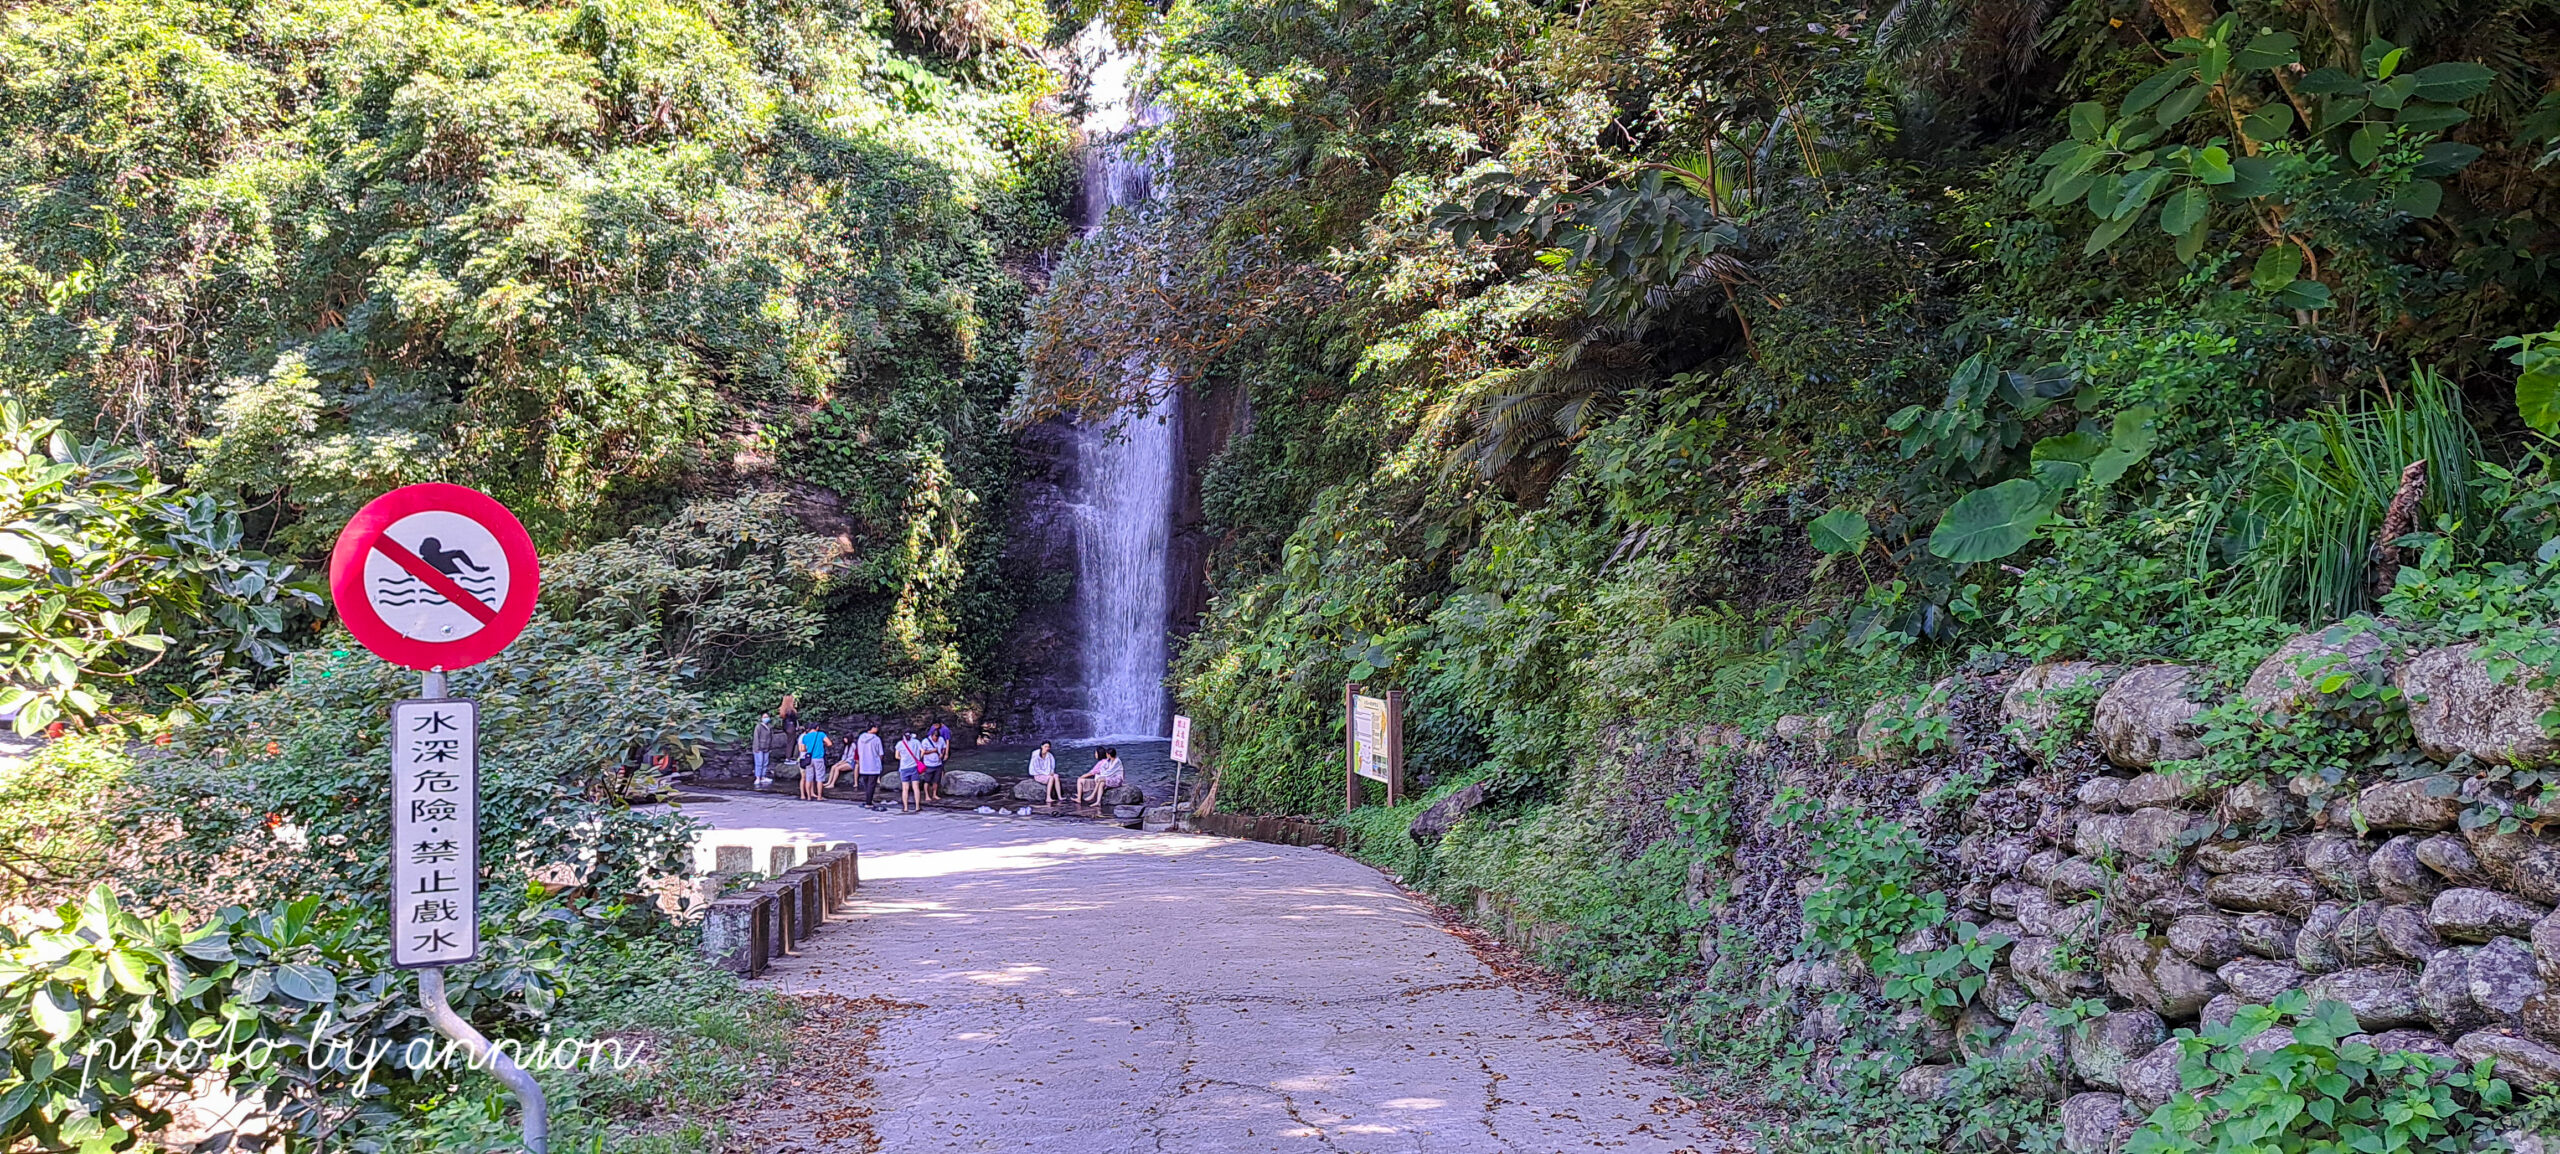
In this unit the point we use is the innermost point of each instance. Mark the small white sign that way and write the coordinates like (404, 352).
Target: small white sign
(1181, 739)
(435, 832)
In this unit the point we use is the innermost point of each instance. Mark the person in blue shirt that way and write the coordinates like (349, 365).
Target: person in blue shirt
(813, 764)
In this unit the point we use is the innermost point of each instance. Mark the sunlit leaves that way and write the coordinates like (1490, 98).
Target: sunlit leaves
(1839, 531)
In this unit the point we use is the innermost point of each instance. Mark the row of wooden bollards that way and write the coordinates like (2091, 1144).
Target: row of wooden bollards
(745, 931)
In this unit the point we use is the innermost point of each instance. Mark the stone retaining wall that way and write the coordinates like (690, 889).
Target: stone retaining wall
(2120, 874)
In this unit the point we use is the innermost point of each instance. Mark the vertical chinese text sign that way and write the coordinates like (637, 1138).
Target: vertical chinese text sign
(435, 832)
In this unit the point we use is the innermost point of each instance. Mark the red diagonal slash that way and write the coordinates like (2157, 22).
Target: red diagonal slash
(435, 579)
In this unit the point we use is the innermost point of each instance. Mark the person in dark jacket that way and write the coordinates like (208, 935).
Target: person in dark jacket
(764, 747)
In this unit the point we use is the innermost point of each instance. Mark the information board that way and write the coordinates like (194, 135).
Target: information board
(435, 832)
(1369, 737)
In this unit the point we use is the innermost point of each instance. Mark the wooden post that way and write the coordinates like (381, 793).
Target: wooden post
(1351, 790)
(1395, 747)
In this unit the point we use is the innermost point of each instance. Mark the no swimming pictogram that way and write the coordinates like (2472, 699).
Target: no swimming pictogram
(435, 576)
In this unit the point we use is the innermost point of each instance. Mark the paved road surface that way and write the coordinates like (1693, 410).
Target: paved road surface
(1089, 990)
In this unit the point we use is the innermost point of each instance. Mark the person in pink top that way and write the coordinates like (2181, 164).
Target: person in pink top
(1105, 774)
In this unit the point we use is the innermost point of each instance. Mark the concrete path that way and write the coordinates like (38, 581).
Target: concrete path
(1089, 990)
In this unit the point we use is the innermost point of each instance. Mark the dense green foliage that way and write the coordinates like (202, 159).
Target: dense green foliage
(593, 258)
(1768, 347)
(1638, 370)
(105, 574)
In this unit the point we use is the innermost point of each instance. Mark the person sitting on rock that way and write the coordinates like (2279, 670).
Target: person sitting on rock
(1092, 781)
(1044, 769)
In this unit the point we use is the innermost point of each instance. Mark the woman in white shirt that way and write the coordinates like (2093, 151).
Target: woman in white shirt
(1044, 769)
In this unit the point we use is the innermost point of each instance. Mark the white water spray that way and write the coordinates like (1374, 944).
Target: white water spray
(1125, 516)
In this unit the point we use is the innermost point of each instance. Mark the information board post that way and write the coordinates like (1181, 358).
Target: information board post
(1372, 743)
(437, 577)
(1181, 752)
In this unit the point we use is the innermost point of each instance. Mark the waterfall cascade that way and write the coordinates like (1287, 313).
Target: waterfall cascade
(1125, 468)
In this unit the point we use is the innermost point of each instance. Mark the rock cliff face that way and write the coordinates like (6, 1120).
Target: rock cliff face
(2120, 870)
(1045, 665)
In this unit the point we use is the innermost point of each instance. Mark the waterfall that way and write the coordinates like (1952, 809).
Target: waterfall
(1125, 467)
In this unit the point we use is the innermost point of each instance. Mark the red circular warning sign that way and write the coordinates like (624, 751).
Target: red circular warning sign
(435, 576)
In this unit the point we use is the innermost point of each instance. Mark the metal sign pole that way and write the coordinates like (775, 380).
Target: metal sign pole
(431, 993)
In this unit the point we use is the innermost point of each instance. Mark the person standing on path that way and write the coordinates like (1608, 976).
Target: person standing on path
(764, 751)
(813, 769)
(937, 750)
(866, 764)
(910, 773)
(1044, 769)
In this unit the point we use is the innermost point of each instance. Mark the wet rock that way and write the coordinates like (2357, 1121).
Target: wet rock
(2098, 835)
(2524, 863)
(966, 783)
(2278, 893)
(2447, 857)
(2151, 834)
(2540, 1017)
(2093, 1123)
(2444, 992)
(2033, 704)
(2268, 1041)
(1811, 976)
(1925, 1083)
(2155, 979)
(2043, 966)
(2477, 915)
(1822, 1025)
(1437, 819)
(2243, 857)
(2039, 916)
(2258, 805)
(1034, 792)
(2405, 934)
(2103, 1045)
(2100, 794)
(2525, 1064)
(2074, 879)
(2288, 681)
(2147, 717)
(2004, 996)
(2504, 977)
(2546, 947)
(2398, 874)
(2079, 921)
(2315, 949)
(2409, 1041)
(2161, 893)
(2208, 940)
(2456, 707)
(2268, 935)
(1120, 795)
(2257, 981)
(2357, 935)
(2380, 996)
(2160, 787)
(1931, 1039)
(1978, 1032)
(2426, 803)
(2040, 1046)
(2152, 1079)
(2339, 863)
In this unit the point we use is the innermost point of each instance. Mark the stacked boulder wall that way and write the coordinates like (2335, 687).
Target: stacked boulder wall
(2132, 880)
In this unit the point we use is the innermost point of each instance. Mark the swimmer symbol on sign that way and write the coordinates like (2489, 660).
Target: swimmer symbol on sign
(435, 576)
